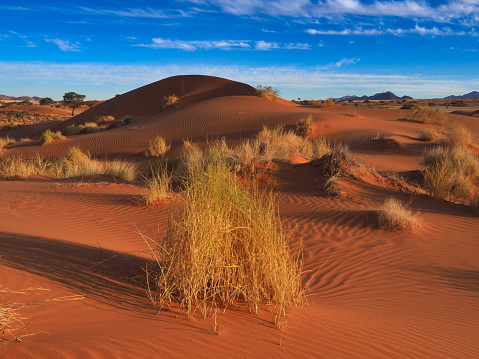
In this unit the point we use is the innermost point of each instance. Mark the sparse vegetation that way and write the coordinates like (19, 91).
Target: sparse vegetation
(268, 92)
(5, 141)
(304, 128)
(458, 135)
(329, 102)
(431, 135)
(393, 215)
(74, 100)
(157, 147)
(226, 244)
(169, 102)
(158, 184)
(48, 136)
(450, 173)
(101, 120)
(429, 115)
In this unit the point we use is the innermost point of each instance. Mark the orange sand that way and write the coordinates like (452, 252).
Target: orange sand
(377, 295)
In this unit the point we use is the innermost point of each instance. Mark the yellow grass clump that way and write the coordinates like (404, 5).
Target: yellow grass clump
(48, 136)
(394, 215)
(169, 101)
(224, 246)
(157, 147)
(101, 120)
(450, 173)
(429, 115)
(4, 141)
(159, 185)
(458, 135)
(304, 128)
(268, 92)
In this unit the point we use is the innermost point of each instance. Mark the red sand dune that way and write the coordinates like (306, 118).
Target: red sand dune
(375, 294)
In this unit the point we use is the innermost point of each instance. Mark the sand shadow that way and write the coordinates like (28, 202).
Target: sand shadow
(107, 276)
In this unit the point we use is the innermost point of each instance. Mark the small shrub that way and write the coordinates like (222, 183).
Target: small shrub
(352, 113)
(394, 215)
(72, 130)
(329, 102)
(304, 128)
(48, 136)
(429, 115)
(101, 120)
(458, 135)
(319, 147)
(157, 147)
(169, 102)
(268, 92)
(125, 170)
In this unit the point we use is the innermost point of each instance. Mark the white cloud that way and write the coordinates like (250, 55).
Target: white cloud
(452, 9)
(137, 13)
(159, 43)
(433, 31)
(316, 81)
(65, 45)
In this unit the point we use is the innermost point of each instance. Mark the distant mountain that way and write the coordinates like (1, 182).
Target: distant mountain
(473, 94)
(21, 98)
(379, 96)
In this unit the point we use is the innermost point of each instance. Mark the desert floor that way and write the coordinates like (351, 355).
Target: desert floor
(376, 294)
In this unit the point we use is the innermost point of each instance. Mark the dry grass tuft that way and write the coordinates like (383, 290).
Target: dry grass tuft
(225, 245)
(157, 147)
(169, 102)
(458, 135)
(393, 215)
(304, 128)
(268, 92)
(48, 136)
(429, 115)
(101, 120)
(431, 135)
(159, 185)
(450, 173)
(5, 141)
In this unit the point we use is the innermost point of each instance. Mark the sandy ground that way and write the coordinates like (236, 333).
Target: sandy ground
(377, 294)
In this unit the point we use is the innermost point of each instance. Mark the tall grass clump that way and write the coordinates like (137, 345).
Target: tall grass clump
(458, 135)
(157, 147)
(48, 136)
(226, 245)
(4, 141)
(16, 167)
(393, 215)
(429, 115)
(431, 135)
(125, 170)
(101, 120)
(159, 185)
(319, 146)
(450, 173)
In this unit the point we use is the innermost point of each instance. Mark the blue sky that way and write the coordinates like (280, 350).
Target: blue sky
(307, 49)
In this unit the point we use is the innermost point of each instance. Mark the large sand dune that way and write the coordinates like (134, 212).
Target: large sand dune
(373, 293)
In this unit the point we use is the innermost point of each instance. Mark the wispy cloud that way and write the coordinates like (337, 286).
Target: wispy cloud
(421, 30)
(137, 13)
(65, 45)
(444, 12)
(159, 43)
(316, 80)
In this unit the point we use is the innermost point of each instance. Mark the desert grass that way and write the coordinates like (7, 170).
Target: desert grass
(450, 173)
(48, 136)
(4, 141)
(329, 102)
(101, 120)
(431, 135)
(74, 163)
(304, 128)
(224, 246)
(352, 113)
(429, 115)
(319, 146)
(393, 215)
(169, 101)
(268, 92)
(159, 184)
(474, 202)
(157, 147)
(458, 135)
(280, 145)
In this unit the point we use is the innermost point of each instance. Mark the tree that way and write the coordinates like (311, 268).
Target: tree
(46, 101)
(74, 100)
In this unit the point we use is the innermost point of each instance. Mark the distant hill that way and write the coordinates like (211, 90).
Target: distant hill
(473, 94)
(21, 98)
(379, 96)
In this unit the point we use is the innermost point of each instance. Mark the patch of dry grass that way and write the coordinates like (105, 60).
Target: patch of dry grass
(304, 128)
(48, 136)
(157, 147)
(169, 102)
(431, 135)
(159, 183)
(393, 215)
(5, 141)
(450, 173)
(458, 135)
(268, 92)
(429, 115)
(225, 245)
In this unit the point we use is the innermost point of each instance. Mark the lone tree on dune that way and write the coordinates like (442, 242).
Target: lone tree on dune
(74, 100)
